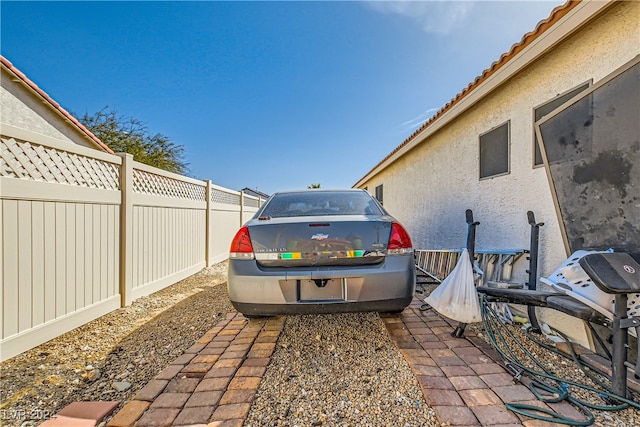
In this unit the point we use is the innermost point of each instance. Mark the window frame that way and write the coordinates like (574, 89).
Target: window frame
(508, 154)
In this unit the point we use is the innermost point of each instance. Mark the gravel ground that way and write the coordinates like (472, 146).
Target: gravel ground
(520, 343)
(338, 370)
(125, 349)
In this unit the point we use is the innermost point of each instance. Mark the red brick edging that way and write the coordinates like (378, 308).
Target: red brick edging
(214, 381)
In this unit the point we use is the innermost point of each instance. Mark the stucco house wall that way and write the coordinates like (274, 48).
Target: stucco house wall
(429, 188)
(24, 106)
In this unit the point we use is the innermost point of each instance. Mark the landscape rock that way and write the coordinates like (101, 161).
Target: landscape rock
(121, 385)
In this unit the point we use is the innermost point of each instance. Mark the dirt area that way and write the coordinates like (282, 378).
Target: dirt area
(112, 357)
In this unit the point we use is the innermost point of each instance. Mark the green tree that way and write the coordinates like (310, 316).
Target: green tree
(130, 135)
(314, 186)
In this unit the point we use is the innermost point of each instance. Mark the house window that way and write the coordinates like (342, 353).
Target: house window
(544, 109)
(379, 193)
(494, 152)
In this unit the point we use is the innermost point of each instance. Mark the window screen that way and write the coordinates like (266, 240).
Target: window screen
(593, 155)
(494, 152)
(548, 107)
(379, 193)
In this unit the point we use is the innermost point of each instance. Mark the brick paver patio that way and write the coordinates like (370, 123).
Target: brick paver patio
(215, 381)
(461, 378)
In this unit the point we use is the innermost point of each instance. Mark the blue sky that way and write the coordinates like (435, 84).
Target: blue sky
(268, 95)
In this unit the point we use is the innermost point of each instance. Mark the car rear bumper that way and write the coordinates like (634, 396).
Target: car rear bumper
(250, 309)
(388, 286)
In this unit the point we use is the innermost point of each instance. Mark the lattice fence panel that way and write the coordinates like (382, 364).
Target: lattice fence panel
(158, 185)
(21, 159)
(251, 202)
(218, 196)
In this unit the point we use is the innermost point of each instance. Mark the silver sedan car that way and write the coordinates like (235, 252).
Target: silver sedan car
(319, 251)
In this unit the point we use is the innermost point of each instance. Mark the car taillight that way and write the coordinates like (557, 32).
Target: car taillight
(399, 241)
(241, 247)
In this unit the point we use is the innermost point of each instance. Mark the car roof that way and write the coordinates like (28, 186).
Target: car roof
(323, 190)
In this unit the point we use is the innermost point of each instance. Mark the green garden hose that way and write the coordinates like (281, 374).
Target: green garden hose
(545, 385)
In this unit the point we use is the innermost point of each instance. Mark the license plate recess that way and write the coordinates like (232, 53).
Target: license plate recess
(329, 290)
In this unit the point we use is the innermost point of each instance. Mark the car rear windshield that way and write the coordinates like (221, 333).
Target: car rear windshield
(320, 203)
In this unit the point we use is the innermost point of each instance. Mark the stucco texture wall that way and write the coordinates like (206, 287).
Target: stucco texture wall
(430, 188)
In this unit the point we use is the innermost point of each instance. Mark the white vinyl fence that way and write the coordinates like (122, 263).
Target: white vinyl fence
(85, 232)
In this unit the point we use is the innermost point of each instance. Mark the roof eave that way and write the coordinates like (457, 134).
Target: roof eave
(564, 21)
(64, 114)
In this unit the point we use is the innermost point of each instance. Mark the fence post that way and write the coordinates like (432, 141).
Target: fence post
(207, 228)
(126, 229)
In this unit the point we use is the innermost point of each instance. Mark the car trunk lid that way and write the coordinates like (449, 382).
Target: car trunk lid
(315, 241)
